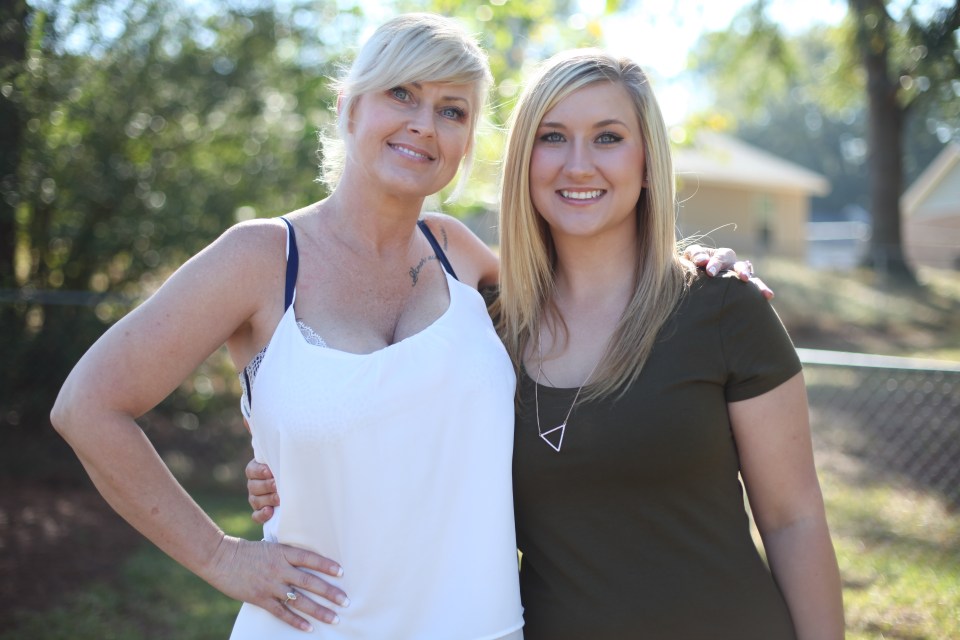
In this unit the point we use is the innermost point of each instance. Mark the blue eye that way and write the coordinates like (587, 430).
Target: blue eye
(400, 93)
(608, 138)
(552, 136)
(454, 113)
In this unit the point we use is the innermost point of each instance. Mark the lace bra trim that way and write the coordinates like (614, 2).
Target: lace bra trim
(311, 336)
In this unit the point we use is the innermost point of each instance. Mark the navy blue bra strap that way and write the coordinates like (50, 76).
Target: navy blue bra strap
(441, 256)
(248, 387)
(293, 266)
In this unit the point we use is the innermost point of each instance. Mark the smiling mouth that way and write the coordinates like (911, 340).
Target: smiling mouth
(582, 195)
(409, 152)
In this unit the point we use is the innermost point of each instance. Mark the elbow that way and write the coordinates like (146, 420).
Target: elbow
(60, 415)
(65, 414)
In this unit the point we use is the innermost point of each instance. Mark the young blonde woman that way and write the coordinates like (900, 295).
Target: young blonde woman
(645, 392)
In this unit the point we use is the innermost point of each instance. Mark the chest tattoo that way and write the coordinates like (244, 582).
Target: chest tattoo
(415, 271)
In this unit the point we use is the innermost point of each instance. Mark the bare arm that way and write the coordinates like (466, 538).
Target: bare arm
(136, 364)
(772, 432)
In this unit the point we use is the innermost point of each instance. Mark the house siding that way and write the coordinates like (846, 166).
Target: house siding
(931, 222)
(734, 217)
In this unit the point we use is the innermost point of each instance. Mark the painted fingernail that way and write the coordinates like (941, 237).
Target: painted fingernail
(306, 626)
(712, 269)
(334, 619)
(343, 601)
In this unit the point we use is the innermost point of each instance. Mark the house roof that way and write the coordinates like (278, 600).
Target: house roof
(716, 158)
(932, 176)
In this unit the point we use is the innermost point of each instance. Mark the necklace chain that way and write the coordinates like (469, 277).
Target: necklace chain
(536, 398)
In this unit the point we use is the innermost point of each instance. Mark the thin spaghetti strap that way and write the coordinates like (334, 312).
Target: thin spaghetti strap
(441, 256)
(293, 266)
(289, 295)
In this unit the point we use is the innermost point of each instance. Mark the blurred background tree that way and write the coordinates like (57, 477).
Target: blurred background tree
(867, 103)
(141, 129)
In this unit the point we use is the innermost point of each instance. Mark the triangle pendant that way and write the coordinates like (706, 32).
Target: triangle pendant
(558, 437)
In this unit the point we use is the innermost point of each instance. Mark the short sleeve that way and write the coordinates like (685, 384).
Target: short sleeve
(757, 350)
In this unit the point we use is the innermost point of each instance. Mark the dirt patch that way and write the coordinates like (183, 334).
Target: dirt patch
(54, 539)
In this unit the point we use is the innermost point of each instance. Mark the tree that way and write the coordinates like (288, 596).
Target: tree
(819, 125)
(877, 75)
(13, 49)
(904, 59)
(148, 128)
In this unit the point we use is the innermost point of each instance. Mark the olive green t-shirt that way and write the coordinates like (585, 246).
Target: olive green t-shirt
(637, 528)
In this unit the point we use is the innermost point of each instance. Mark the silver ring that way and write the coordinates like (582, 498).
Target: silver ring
(291, 596)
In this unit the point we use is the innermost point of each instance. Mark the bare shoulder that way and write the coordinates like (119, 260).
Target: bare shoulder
(253, 240)
(251, 254)
(250, 258)
(235, 272)
(475, 263)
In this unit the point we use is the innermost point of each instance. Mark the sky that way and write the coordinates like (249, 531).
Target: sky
(659, 35)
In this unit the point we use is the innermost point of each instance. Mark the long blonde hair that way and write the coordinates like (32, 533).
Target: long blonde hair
(412, 47)
(528, 256)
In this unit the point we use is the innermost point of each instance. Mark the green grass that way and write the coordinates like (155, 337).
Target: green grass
(153, 597)
(856, 311)
(899, 556)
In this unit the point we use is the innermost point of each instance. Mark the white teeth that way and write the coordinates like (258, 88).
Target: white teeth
(411, 153)
(582, 195)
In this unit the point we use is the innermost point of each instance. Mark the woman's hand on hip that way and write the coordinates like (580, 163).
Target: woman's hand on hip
(274, 577)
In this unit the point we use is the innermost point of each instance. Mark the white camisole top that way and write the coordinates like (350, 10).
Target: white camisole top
(396, 464)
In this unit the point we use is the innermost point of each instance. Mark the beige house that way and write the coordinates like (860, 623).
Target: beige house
(742, 197)
(930, 213)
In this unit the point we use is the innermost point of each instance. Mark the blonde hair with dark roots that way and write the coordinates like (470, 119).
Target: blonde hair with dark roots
(413, 47)
(527, 253)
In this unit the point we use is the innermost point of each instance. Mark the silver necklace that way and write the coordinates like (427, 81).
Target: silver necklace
(558, 431)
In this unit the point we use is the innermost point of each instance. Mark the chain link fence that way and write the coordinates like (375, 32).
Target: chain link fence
(899, 418)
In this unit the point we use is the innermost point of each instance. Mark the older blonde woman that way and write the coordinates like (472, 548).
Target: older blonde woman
(375, 385)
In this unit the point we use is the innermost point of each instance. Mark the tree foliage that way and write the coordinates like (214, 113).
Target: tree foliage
(147, 128)
(904, 58)
(868, 103)
(816, 115)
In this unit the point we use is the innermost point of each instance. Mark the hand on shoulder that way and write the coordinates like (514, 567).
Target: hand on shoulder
(719, 261)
